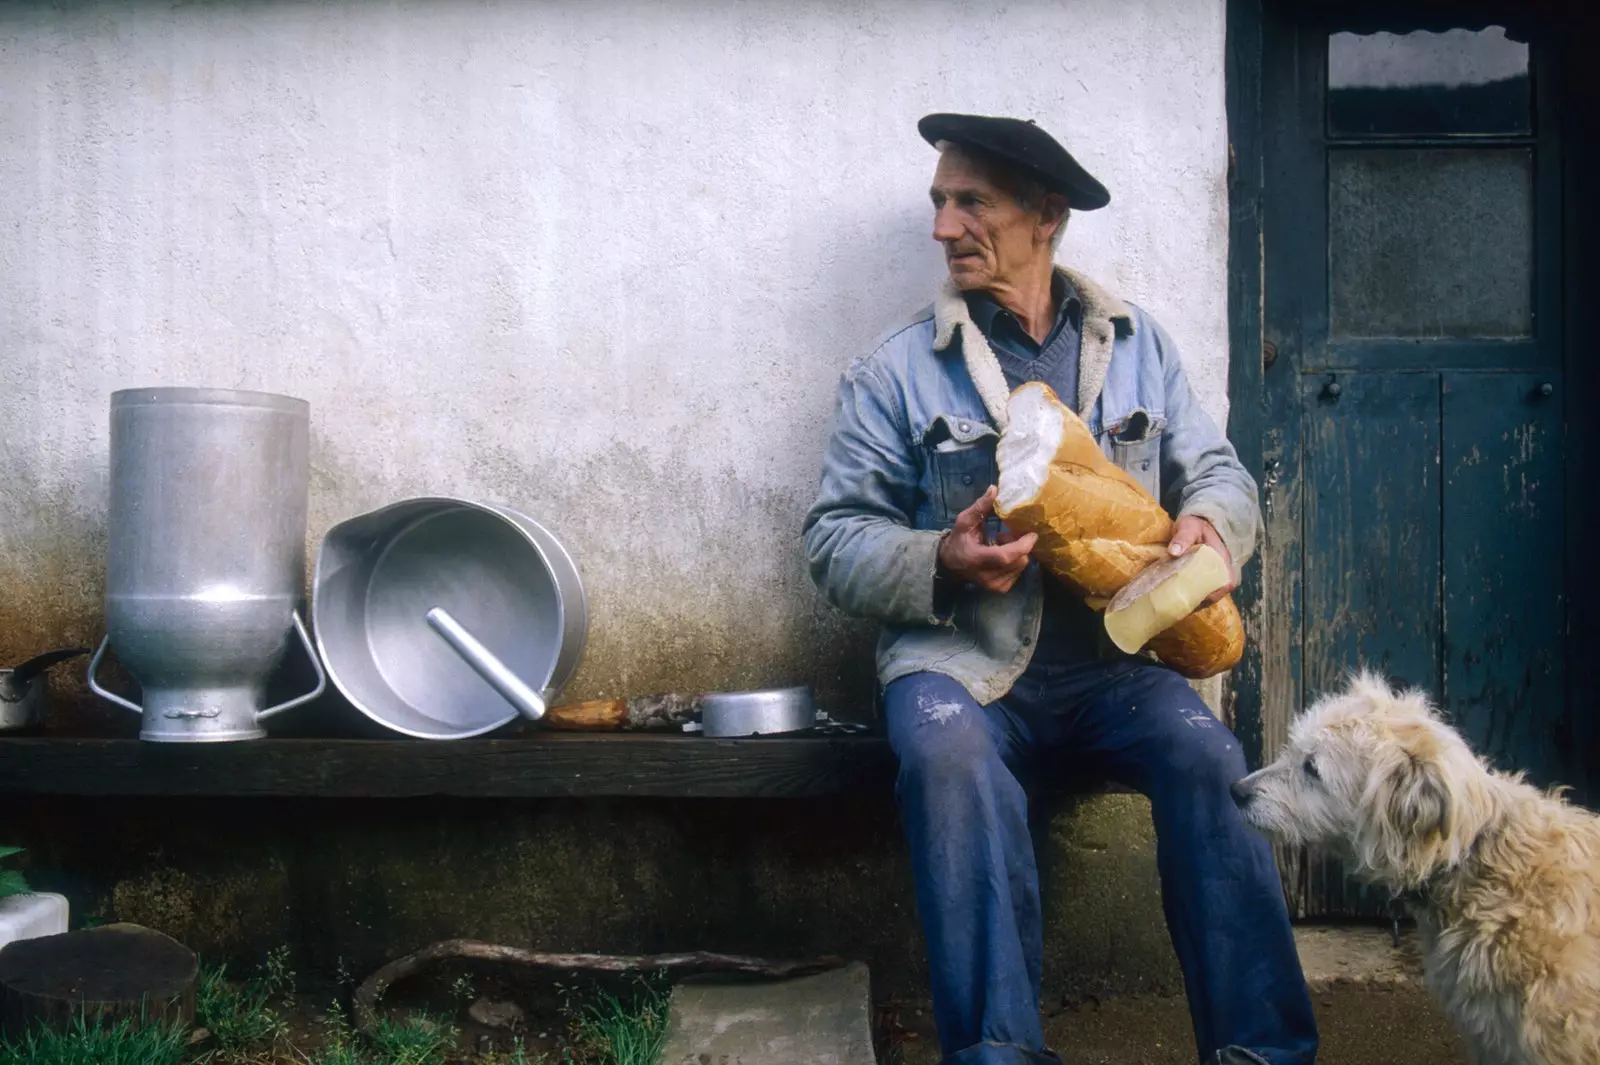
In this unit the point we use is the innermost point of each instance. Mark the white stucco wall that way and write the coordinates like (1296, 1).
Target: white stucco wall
(601, 261)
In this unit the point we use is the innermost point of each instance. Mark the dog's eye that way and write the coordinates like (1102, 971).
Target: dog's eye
(1310, 768)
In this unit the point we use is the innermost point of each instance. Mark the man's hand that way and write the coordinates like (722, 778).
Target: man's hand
(1191, 530)
(967, 555)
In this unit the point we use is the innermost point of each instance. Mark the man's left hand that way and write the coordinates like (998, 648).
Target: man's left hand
(1191, 530)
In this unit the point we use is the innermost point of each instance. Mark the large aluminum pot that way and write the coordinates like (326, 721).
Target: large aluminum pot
(443, 618)
(206, 567)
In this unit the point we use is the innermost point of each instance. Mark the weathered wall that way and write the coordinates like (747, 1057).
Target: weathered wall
(349, 885)
(600, 261)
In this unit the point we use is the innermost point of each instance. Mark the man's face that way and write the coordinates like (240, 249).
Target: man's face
(988, 238)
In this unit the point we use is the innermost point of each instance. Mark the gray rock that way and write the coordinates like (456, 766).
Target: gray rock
(824, 1019)
(497, 1014)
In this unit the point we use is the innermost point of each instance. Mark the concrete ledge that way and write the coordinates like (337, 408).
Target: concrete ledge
(358, 882)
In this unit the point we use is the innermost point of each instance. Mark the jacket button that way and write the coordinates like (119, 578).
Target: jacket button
(964, 427)
(966, 478)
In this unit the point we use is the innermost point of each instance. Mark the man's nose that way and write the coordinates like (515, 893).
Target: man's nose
(945, 226)
(1242, 791)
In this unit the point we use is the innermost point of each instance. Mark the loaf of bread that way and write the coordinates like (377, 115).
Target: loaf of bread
(1097, 527)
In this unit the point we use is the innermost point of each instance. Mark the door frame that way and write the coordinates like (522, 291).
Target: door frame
(1263, 700)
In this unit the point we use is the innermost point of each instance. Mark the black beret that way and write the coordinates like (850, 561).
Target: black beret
(1024, 145)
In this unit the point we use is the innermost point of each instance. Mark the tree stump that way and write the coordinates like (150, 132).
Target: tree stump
(108, 974)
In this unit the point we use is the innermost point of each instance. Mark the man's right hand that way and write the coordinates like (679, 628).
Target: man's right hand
(967, 555)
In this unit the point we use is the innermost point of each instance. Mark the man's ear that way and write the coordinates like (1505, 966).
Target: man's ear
(1053, 209)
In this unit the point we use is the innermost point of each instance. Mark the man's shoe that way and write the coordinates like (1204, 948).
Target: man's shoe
(1238, 1056)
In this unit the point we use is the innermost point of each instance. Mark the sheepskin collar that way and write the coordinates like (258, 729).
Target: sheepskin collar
(1103, 313)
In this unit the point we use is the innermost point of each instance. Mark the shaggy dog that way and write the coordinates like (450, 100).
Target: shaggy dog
(1503, 879)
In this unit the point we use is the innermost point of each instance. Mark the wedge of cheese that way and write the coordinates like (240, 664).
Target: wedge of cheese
(1162, 595)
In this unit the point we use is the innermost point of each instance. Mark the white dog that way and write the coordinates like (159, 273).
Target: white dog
(1503, 879)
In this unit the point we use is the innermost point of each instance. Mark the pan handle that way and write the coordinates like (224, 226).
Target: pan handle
(529, 703)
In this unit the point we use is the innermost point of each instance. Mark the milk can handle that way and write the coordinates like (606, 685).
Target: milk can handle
(316, 664)
(529, 703)
(94, 685)
(299, 628)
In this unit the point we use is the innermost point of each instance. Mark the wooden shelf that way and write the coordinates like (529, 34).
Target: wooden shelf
(542, 766)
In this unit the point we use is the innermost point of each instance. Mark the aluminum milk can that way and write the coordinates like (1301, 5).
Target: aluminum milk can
(206, 564)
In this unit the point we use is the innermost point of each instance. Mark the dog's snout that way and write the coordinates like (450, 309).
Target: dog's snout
(1242, 791)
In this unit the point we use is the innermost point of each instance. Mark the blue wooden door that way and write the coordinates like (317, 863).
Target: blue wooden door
(1414, 461)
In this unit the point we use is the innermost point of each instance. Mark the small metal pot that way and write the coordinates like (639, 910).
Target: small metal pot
(24, 690)
(757, 713)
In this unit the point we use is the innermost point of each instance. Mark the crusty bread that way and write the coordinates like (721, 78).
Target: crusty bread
(1097, 527)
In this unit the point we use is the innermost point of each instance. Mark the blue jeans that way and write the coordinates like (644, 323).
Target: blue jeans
(965, 817)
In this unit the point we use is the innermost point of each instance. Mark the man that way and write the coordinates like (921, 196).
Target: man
(991, 669)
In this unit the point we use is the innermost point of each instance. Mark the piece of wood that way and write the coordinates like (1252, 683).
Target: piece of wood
(657, 711)
(540, 765)
(373, 987)
(1372, 563)
(109, 974)
(1372, 518)
(1291, 291)
(1504, 576)
(594, 715)
(662, 710)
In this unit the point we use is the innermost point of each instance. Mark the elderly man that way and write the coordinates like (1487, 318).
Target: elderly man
(993, 672)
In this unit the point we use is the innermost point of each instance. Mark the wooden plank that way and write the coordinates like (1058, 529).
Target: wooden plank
(1246, 406)
(1372, 557)
(1293, 247)
(1504, 571)
(568, 764)
(1372, 525)
(1400, 356)
(1577, 122)
(546, 766)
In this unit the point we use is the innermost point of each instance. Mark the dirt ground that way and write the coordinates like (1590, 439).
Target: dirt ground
(1360, 1026)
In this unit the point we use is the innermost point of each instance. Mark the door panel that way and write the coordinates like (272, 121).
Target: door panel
(1504, 518)
(1371, 527)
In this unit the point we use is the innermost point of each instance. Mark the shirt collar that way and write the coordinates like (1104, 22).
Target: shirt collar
(986, 311)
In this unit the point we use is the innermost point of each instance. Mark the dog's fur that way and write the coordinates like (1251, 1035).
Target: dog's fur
(1503, 879)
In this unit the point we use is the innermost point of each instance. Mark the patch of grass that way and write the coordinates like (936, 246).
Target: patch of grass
(517, 1055)
(240, 1014)
(85, 1043)
(417, 1039)
(12, 882)
(607, 1029)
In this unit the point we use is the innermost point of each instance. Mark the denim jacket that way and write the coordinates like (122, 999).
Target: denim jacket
(913, 445)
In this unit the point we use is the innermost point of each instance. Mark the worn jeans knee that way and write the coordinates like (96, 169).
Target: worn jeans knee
(940, 736)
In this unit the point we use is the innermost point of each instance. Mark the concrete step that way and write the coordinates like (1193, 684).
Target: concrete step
(824, 1019)
(1334, 955)
(1368, 995)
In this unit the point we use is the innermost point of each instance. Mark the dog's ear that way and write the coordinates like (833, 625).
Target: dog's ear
(1419, 802)
(1406, 818)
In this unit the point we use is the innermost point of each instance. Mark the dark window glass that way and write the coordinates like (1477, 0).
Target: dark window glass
(1422, 83)
(1431, 242)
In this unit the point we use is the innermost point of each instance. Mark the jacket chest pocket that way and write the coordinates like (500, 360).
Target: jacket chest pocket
(960, 453)
(1136, 448)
